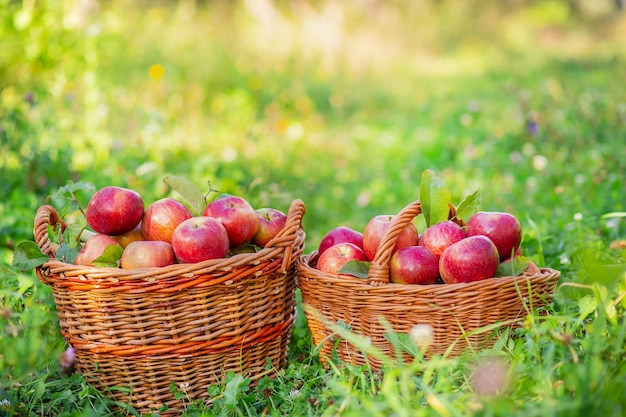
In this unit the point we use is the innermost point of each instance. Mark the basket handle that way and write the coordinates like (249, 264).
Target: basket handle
(287, 236)
(46, 216)
(379, 267)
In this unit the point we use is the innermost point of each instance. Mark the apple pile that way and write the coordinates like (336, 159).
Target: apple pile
(123, 232)
(449, 250)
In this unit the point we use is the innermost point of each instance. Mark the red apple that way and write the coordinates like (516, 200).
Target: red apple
(471, 259)
(237, 216)
(335, 257)
(162, 217)
(376, 228)
(93, 248)
(503, 229)
(340, 234)
(414, 265)
(114, 210)
(200, 238)
(132, 236)
(271, 221)
(147, 254)
(441, 235)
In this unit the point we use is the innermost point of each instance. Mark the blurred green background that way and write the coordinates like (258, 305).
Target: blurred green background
(341, 104)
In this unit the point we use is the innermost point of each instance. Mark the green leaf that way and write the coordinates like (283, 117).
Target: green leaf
(513, 267)
(233, 389)
(587, 305)
(434, 198)
(65, 198)
(355, 268)
(402, 342)
(469, 206)
(109, 257)
(190, 191)
(72, 234)
(67, 253)
(27, 256)
(613, 215)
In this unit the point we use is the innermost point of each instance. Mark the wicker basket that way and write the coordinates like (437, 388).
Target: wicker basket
(457, 313)
(186, 324)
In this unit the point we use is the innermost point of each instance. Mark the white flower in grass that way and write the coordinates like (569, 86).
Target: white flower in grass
(294, 393)
(540, 162)
(578, 217)
(422, 335)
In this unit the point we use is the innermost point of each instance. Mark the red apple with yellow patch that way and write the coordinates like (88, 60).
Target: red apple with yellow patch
(147, 254)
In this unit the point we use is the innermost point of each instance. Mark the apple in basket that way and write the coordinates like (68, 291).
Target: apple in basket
(132, 236)
(271, 221)
(200, 238)
(471, 259)
(503, 229)
(340, 234)
(114, 210)
(147, 254)
(162, 217)
(413, 265)
(238, 217)
(439, 236)
(376, 228)
(334, 258)
(94, 248)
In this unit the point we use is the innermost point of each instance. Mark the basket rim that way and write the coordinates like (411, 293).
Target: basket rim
(288, 244)
(306, 269)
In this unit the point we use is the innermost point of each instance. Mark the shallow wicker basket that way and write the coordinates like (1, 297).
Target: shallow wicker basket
(186, 324)
(460, 315)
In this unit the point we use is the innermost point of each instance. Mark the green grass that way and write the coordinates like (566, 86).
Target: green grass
(345, 116)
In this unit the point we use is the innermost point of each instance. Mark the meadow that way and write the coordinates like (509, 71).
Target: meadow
(342, 105)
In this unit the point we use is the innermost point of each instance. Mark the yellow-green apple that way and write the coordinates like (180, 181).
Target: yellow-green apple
(93, 248)
(340, 234)
(471, 259)
(504, 229)
(161, 218)
(376, 228)
(114, 210)
(200, 238)
(271, 221)
(147, 254)
(335, 257)
(132, 236)
(237, 216)
(441, 235)
(413, 265)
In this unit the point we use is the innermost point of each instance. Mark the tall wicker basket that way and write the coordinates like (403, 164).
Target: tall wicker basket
(186, 324)
(458, 314)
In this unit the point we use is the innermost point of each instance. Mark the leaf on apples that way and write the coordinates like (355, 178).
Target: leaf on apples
(434, 198)
(190, 191)
(67, 253)
(469, 206)
(27, 255)
(65, 199)
(355, 268)
(513, 267)
(110, 257)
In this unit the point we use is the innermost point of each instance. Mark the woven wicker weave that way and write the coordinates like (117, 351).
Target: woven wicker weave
(457, 313)
(186, 324)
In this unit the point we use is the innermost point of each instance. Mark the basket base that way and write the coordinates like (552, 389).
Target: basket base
(149, 384)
